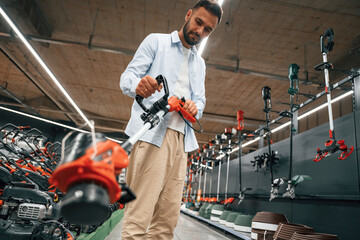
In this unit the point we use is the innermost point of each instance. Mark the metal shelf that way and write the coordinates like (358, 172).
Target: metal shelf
(219, 226)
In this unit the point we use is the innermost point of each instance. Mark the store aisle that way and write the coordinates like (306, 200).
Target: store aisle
(187, 229)
(190, 229)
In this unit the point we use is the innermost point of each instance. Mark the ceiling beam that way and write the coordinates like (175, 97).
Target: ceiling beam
(19, 101)
(41, 101)
(44, 109)
(131, 52)
(8, 53)
(32, 14)
(100, 125)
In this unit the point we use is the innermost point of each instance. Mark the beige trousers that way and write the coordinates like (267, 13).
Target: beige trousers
(156, 175)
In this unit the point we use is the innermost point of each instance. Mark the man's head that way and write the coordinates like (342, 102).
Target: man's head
(200, 21)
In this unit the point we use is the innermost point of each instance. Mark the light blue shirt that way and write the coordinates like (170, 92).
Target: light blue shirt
(161, 54)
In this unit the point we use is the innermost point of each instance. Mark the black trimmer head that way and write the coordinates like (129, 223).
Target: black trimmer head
(86, 204)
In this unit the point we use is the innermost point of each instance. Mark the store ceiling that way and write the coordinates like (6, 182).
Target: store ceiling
(88, 44)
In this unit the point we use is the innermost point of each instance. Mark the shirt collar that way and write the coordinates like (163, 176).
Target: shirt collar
(175, 39)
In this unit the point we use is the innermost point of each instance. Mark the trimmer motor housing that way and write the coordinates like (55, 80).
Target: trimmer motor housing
(89, 181)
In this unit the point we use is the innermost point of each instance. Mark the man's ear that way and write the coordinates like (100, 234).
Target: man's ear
(188, 15)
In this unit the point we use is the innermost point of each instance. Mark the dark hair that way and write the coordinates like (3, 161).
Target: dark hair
(212, 6)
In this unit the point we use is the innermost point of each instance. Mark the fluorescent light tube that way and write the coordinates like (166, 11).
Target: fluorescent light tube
(42, 63)
(52, 122)
(43, 119)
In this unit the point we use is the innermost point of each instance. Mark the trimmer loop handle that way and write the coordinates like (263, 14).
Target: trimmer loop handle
(326, 41)
(160, 79)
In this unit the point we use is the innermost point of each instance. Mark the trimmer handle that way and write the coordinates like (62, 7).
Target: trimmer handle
(177, 105)
(324, 65)
(326, 41)
(294, 78)
(186, 114)
(160, 79)
(266, 95)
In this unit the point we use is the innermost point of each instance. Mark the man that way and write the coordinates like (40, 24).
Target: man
(157, 168)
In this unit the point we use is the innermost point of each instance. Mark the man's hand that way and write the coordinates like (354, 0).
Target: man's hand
(190, 107)
(147, 86)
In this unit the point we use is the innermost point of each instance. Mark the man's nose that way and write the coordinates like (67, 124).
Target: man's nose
(199, 31)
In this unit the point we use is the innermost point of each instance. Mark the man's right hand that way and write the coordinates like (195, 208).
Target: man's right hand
(147, 86)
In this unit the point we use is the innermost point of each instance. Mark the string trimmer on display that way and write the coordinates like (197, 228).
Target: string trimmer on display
(229, 133)
(190, 182)
(239, 128)
(266, 160)
(210, 157)
(270, 157)
(199, 171)
(206, 148)
(218, 209)
(89, 176)
(187, 184)
(216, 202)
(294, 89)
(331, 145)
(195, 180)
(220, 139)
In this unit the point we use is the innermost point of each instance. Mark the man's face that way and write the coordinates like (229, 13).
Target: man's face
(199, 24)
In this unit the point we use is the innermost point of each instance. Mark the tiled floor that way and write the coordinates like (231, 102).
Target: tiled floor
(186, 229)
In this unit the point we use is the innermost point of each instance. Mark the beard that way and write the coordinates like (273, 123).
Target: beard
(187, 33)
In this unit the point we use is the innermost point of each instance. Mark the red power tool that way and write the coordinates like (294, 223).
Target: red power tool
(90, 181)
(240, 118)
(177, 104)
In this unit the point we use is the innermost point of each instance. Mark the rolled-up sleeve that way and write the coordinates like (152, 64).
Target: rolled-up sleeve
(139, 65)
(200, 100)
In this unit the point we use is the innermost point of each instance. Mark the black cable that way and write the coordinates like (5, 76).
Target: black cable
(198, 131)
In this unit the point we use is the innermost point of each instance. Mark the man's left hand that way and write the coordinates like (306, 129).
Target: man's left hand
(190, 107)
